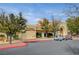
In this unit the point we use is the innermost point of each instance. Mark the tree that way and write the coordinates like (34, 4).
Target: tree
(18, 24)
(73, 25)
(11, 24)
(77, 24)
(72, 10)
(73, 18)
(44, 25)
(55, 26)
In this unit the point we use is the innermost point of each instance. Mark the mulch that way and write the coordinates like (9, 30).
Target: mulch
(15, 45)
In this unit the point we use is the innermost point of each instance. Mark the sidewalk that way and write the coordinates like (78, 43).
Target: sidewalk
(75, 38)
(38, 40)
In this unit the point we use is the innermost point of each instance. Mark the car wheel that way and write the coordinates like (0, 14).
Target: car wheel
(54, 39)
(63, 39)
(60, 40)
(66, 39)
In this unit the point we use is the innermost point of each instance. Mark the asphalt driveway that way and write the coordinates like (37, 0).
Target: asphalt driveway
(70, 47)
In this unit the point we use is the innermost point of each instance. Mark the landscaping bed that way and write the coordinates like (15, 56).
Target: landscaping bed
(15, 45)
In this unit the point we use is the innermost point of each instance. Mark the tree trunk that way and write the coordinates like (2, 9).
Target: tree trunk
(7, 38)
(54, 34)
(10, 39)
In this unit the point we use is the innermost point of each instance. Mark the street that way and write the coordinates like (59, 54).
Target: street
(70, 47)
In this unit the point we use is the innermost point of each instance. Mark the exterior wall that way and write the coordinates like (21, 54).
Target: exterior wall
(65, 30)
(28, 35)
(31, 34)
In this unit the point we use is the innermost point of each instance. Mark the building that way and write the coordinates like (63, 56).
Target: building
(35, 31)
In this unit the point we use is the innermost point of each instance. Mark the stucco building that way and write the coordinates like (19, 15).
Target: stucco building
(35, 31)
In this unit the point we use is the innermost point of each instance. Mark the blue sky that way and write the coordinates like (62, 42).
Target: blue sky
(34, 12)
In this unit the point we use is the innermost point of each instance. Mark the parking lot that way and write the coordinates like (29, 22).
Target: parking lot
(70, 47)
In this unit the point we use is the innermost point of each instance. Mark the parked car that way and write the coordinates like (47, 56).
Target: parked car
(59, 38)
(68, 37)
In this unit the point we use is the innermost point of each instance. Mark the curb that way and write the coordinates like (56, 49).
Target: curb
(31, 41)
(13, 46)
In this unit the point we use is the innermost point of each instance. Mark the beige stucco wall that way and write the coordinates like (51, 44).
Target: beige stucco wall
(31, 34)
(28, 35)
(65, 30)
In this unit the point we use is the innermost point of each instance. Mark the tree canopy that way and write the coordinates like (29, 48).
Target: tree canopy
(50, 26)
(73, 25)
(11, 24)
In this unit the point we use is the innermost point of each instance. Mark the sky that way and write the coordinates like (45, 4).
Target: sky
(35, 12)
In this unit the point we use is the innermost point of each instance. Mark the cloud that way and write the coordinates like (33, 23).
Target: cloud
(34, 17)
(31, 18)
(9, 9)
(29, 15)
(54, 12)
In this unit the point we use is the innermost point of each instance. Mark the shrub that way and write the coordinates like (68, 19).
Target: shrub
(16, 37)
(2, 35)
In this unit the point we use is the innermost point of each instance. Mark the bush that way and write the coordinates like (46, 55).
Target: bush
(16, 37)
(2, 35)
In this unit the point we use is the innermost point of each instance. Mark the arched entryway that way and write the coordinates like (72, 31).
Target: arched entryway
(61, 30)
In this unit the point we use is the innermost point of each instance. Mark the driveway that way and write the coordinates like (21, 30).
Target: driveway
(70, 47)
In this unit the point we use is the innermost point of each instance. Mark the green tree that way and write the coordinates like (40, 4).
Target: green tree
(73, 18)
(55, 26)
(44, 25)
(11, 24)
(73, 25)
